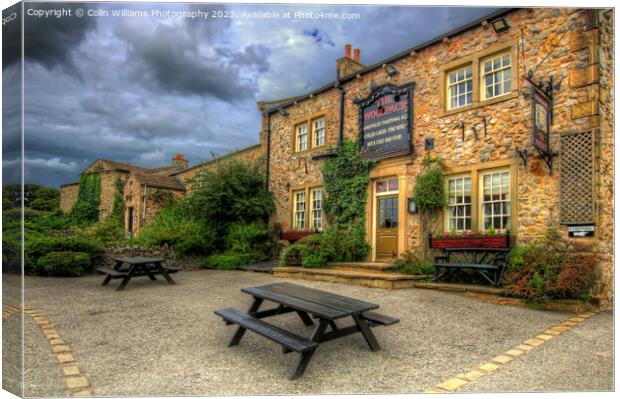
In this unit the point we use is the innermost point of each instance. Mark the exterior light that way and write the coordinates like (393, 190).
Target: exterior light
(500, 25)
(391, 70)
(283, 112)
(411, 206)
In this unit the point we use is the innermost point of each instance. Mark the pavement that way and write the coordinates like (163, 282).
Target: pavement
(155, 339)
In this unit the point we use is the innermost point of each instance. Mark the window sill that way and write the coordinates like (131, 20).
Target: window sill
(495, 100)
(310, 150)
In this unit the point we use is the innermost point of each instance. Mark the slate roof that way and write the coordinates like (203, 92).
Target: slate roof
(160, 181)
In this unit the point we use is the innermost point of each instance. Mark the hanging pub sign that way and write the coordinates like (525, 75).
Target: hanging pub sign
(385, 122)
(541, 119)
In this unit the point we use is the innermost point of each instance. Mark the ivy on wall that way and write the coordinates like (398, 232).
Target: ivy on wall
(118, 204)
(346, 179)
(429, 195)
(85, 210)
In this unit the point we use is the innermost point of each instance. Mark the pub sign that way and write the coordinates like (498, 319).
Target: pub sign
(385, 122)
(541, 119)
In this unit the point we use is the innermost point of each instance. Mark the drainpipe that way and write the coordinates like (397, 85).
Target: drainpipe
(143, 208)
(268, 150)
(341, 121)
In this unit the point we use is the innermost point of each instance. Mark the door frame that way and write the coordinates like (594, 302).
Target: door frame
(375, 209)
(378, 197)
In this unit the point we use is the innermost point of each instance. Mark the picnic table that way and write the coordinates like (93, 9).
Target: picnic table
(136, 266)
(325, 307)
(488, 262)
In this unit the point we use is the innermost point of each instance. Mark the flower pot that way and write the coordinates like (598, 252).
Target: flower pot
(295, 235)
(470, 242)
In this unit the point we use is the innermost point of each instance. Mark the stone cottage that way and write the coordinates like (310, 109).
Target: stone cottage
(519, 107)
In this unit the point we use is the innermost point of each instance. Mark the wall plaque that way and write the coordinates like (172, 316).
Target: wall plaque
(385, 122)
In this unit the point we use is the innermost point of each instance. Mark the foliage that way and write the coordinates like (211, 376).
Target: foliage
(428, 191)
(162, 197)
(291, 256)
(45, 199)
(410, 262)
(346, 181)
(107, 231)
(118, 204)
(14, 193)
(226, 261)
(7, 202)
(64, 264)
(85, 210)
(37, 245)
(550, 268)
(250, 240)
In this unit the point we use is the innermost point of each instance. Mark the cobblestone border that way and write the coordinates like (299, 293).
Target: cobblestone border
(77, 383)
(482, 370)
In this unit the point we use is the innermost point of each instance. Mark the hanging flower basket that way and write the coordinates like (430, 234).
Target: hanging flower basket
(470, 239)
(295, 235)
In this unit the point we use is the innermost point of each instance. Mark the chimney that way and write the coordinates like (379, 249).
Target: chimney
(179, 162)
(347, 50)
(347, 65)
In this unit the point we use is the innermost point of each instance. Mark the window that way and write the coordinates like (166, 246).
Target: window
(496, 76)
(459, 203)
(318, 132)
(496, 200)
(460, 87)
(301, 137)
(300, 210)
(386, 186)
(479, 200)
(317, 208)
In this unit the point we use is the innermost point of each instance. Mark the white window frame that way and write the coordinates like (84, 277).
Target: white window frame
(318, 132)
(317, 208)
(299, 211)
(464, 204)
(459, 84)
(501, 70)
(508, 200)
(301, 130)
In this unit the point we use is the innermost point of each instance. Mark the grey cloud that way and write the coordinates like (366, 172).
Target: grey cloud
(11, 36)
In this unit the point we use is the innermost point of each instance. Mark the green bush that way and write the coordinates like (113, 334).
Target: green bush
(107, 231)
(226, 261)
(411, 262)
(38, 245)
(251, 239)
(428, 192)
(549, 268)
(11, 250)
(291, 256)
(85, 210)
(64, 264)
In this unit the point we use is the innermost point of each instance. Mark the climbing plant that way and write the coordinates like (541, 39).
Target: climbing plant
(118, 204)
(346, 180)
(429, 195)
(85, 210)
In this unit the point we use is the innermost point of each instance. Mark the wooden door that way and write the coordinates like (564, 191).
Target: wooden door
(387, 227)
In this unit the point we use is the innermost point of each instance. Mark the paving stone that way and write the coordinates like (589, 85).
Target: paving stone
(473, 375)
(52, 336)
(577, 319)
(65, 358)
(515, 352)
(552, 332)
(452, 384)
(42, 322)
(568, 323)
(544, 337)
(586, 315)
(82, 393)
(77, 382)
(57, 341)
(61, 348)
(71, 370)
(50, 331)
(489, 367)
(502, 359)
(533, 342)
(560, 328)
(525, 348)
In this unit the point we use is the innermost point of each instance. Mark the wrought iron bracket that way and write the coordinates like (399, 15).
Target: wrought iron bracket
(523, 155)
(548, 158)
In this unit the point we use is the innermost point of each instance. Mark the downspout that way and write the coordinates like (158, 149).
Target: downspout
(143, 221)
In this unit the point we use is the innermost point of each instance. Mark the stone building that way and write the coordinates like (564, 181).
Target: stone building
(519, 107)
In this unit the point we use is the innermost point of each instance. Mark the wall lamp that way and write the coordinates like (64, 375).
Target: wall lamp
(390, 69)
(411, 206)
(500, 25)
(283, 112)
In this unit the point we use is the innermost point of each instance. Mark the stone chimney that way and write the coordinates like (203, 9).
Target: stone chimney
(346, 65)
(179, 162)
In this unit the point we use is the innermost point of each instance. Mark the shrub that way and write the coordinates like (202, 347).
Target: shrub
(85, 210)
(411, 262)
(550, 268)
(250, 239)
(348, 242)
(38, 245)
(64, 264)
(292, 255)
(226, 261)
(107, 231)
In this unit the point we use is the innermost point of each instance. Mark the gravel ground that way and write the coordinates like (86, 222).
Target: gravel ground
(551, 367)
(11, 338)
(158, 339)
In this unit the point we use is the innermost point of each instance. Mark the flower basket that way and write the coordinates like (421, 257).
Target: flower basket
(495, 241)
(295, 235)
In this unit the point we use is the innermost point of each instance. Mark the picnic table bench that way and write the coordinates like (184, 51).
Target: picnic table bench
(136, 266)
(308, 303)
(488, 262)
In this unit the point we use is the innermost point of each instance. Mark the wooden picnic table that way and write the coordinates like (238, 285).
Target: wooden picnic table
(488, 262)
(136, 266)
(308, 303)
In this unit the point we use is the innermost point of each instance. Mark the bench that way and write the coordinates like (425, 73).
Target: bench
(488, 262)
(378, 318)
(112, 272)
(288, 340)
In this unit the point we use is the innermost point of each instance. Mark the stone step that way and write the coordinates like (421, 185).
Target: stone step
(361, 266)
(376, 279)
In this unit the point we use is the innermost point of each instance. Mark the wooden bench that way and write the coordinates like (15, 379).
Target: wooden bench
(488, 262)
(379, 319)
(112, 272)
(288, 340)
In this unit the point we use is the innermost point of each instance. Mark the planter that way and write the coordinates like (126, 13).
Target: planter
(295, 235)
(470, 242)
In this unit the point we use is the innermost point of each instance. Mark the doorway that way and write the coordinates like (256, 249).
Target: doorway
(386, 219)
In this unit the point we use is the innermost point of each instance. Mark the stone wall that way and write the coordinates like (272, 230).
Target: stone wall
(562, 43)
(68, 196)
(165, 252)
(109, 190)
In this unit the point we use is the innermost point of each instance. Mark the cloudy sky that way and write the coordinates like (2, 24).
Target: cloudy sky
(141, 89)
